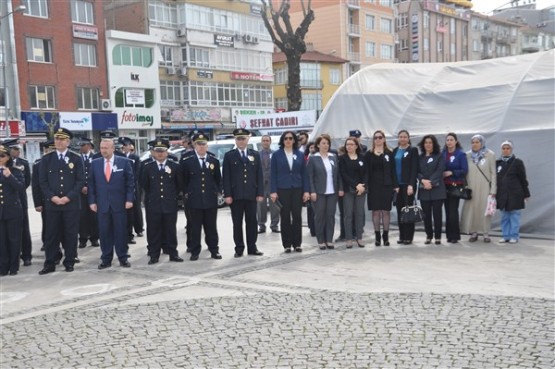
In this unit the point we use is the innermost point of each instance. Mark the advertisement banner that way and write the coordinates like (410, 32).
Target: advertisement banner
(139, 119)
(294, 120)
(76, 121)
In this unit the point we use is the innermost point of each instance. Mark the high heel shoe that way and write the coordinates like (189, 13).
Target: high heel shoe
(349, 244)
(359, 243)
(385, 238)
(378, 238)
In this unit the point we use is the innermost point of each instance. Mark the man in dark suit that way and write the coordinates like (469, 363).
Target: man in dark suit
(161, 182)
(24, 167)
(88, 225)
(135, 214)
(243, 187)
(262, 210)
(111, 192)
(61, 178)
(201, 187)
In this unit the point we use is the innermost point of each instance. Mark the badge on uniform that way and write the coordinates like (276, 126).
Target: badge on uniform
(251, 158)
(208, 164)
(168, 170)
(70, 165)
(66, 159)
(211, 166)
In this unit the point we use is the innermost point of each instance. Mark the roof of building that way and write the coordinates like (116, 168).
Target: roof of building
(310, 56)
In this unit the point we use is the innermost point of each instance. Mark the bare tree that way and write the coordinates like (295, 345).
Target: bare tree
(290, 41)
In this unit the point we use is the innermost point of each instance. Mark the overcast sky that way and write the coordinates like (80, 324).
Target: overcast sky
(487, 6)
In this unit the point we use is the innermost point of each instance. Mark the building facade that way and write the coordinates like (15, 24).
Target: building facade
(492, 38)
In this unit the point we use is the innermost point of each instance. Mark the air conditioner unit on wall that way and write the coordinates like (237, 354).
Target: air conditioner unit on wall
(183, 71)
(247, 38)
(182, 32)
(254, 40)
(105, 104)
(170, 70)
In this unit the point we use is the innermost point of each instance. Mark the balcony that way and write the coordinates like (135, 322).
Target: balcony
(311, 83)
(355, 4)
(354, 30)
(353, 57)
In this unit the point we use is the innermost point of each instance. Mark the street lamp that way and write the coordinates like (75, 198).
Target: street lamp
(18, 9)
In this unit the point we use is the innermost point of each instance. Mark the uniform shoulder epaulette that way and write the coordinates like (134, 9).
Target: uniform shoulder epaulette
(183, 158)
(73, 153)
(173, 160)
(148, 163)
(211, 154)
(49, 153)
(37, 161)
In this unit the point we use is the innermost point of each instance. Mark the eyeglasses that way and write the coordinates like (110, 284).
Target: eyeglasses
(288, 138)
(378, 137)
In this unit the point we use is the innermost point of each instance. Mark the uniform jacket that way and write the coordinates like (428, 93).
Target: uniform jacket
(201, 186)
(409, 166)
(512, 185)
(24, 167)
(38, 197)
(432, 168)
(243, 181)
(87, 166)
(161, 187)
(61, 178)
(111, 196)
(10, 194)
(317, 175)
(283, 177)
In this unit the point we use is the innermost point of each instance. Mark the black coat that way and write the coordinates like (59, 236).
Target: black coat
(62, 179)
(201, 186)
(161, 188)
(11, 189)
(38, 197)
(242, 180)
(512, 185)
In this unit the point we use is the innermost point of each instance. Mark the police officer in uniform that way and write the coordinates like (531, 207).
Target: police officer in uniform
(243, 184)
(12, 184)
(201, 187)
(61, 179)
(23, 166)
(88, 225)
(161, 183)
(135, 214)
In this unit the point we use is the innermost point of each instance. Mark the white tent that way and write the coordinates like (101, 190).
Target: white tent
(506, 98)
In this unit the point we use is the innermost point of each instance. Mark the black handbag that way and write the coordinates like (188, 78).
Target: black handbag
(411, 214)
(458, 191)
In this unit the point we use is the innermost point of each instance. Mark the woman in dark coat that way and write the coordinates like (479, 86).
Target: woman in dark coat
(431, 192)
(512, 192)
(12, 185)
(406, 167)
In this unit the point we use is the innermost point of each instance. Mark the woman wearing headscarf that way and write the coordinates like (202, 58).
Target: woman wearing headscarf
(512, 192)
(482, 179)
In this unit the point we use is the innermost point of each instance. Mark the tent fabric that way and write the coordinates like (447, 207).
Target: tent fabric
(505, 98)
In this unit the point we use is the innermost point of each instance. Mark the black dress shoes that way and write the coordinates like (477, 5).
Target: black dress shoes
(216, 256)
(104, 265)
(132, 241)
(139, 234)
(176, 259)
(13, 272)
(238, 255)
(125, 264)
(194, 258)
(256, 253)
(261, 230)
(47, 270)
(152, 261)
(69, 269)
(77, 261)
(95, 243)
(276, 230)
(27, 262)
(82, 245)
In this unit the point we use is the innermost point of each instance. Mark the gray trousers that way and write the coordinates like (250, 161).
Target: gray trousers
(324, 217)
(353, 208)
(262, 210)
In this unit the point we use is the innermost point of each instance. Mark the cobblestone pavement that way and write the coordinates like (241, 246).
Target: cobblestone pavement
(463, 306)
(316, 329)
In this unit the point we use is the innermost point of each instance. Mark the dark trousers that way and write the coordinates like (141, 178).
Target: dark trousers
(188, 224)
(291, 218)
(452, 230)
(138, 220)
(324, 217)
(207, 219)
(26, 243)
(112, 228)
(61, 226)
(246, 208)
(341, 218)
(88, 225)
(310, 219)
(433, 209)
(161, 229)
(10, 244)
(406, 230)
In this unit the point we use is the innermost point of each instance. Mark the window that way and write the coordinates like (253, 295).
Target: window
(121, 101)
(85, 55)
(335, 76)
(310, 75)
(386, 25)
(404, 44)
(166, 52)
(281, 76)
(370, 49)
(37, 8)
(132, 56)
(426, 19)
(452, 26)
(387, 52)
(2, 97)
(452, 49)
(170, 93)
(386, 3)
(476, 45)
(162, 14)
(82, 12)
(403, 20)
(439, 45)
(426, 44)
(197, 57)
(87, 98)
(229, 94)
(39, 50)
(370, 22)
(311, 101)
(281, 103)
(42, 97)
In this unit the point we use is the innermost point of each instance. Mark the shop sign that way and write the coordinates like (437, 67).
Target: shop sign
(86, 32)
(278, 121)
(224, 40)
